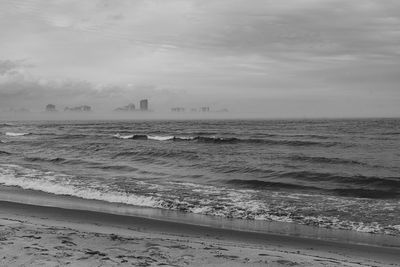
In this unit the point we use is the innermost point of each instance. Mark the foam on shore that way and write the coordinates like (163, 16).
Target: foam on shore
(16, 195)
(203, 199)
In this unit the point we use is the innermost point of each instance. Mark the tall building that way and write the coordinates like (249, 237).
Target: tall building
(205, 109)
(144, 105)
(130, 107)
(178, 109)
(50, 108)
(83, 108)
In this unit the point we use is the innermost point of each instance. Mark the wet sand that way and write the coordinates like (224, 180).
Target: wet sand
(44, 236)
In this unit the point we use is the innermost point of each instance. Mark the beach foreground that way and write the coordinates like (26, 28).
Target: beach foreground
(44, 236)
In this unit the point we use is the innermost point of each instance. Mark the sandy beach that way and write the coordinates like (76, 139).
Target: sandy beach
(45, 236)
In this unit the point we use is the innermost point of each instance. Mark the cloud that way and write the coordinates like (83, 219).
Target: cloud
(10, 67)
(263, 49)
(6, 66)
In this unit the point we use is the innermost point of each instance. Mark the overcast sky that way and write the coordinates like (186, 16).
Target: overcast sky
(281, 58)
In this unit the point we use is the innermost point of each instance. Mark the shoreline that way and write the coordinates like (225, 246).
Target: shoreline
(47, 224)
(284, 229)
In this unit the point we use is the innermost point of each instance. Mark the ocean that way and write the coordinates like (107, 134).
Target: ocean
(337, 174)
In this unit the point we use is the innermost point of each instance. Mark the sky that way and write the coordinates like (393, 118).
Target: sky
(274, 58)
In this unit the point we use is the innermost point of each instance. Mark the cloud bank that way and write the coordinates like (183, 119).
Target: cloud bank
(280, 58)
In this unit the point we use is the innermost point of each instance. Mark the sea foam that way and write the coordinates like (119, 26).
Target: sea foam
(16, 134)
(202, 199)
(123, 136)
(60, 184)
(160, 138)
(227, 140)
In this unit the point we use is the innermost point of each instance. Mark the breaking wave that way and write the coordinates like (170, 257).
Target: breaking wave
(14, 175)
(320, 173)
(16, 134)
(226, 140)
(201, 199)
(160, 138)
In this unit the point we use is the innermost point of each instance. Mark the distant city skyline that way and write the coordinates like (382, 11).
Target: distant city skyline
(143, 104)
(305, 58)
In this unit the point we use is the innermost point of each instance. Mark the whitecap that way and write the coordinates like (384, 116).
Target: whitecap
(123, 136)
(16, 134)
(160, 138)
(60, 184)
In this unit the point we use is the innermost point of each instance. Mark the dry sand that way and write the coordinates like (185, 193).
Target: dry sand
(41, 236)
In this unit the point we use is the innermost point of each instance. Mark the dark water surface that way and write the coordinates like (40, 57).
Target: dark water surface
(330, 173)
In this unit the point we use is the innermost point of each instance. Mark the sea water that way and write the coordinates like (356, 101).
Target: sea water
(338, 174)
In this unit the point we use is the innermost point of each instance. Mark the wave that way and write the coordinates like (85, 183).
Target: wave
(282, 135)
(58, 160)
(325, 160)
(178, 138)
(132, 136)
(190, 155)
(302, 143)
(16, 134)
(160, 138)
(234, 140)
(39, 159)
(122, 136)
(118, 168)
(348, 192)
(48, 133)
(267, 184)
(14, 175)
(299, 143)
(72, 136)
(226, 140)
(207, 199)
(152, 137)
(391, 133)
(353, 180)
(96, 165)
(203, 133)
(366, 193)
(316, 136)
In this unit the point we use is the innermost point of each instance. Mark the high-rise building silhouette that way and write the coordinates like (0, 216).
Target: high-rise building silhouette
(178, 109)
(83, 108)
(130, 107)
(50, 108)
(144, 105)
